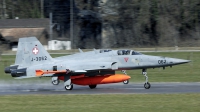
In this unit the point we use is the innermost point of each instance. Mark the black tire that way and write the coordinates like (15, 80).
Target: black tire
(126, 81)
(55, 82)
(69, 87)
(147, 85)
(92, 86)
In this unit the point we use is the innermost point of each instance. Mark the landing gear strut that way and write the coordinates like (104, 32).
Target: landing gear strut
(124, 71)
(147, 85)
(67, 81)
(126, 81)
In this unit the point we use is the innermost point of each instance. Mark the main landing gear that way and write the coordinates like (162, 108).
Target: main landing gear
(92, 86)
(55, 80)
(126, 81)
(69, 87)
(67, 81)
(147, 85)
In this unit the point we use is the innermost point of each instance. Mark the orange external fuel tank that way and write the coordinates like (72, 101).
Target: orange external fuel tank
(100, 79)
(72, 77)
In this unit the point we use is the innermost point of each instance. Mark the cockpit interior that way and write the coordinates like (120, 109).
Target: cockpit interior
(128, 52)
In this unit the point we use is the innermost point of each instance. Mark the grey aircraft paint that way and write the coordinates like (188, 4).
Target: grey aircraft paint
(31, 56)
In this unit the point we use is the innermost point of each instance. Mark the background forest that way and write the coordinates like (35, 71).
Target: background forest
(116, 23)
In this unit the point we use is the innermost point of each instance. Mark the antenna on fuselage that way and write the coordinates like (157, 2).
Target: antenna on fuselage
(80, 50)
(95, 50)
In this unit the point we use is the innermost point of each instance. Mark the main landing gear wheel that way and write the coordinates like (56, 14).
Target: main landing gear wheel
(69, 87)
(126, 81)
(55, 82)
(147, 85)
(92, 86)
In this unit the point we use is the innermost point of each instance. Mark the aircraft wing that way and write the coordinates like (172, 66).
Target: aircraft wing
(75, 68)
(87, 66)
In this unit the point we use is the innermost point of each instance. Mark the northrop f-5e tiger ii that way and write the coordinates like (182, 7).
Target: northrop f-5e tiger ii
(84, 68)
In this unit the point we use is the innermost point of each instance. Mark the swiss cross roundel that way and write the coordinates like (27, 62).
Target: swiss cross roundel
(35, 50)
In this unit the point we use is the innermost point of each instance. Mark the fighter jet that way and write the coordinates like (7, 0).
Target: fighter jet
(84, 68)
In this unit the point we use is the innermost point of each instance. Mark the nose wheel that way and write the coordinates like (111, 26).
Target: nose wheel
(147, 85)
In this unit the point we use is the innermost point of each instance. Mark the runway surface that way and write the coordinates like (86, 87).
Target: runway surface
(119, 88)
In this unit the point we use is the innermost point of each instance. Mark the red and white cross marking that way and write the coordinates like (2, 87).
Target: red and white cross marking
(35, 50)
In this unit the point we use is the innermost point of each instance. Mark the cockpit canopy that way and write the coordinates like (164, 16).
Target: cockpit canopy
(123, 52)
(105, 50)
(128, 52)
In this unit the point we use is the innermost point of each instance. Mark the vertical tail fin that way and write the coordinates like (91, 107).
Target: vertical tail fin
(30, 52)
(20, 51)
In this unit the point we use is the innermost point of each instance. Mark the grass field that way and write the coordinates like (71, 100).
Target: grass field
(189, 72)
(101, 103)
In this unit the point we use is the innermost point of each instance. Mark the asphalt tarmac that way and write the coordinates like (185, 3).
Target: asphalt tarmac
(119, 88)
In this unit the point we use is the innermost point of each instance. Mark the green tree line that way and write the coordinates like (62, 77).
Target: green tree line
(155, 23)
(23, 9)
(133, 22)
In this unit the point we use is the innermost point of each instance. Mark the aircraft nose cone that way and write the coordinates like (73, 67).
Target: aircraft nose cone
(175, 61)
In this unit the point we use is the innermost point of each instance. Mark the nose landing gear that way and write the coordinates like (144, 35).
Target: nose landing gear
(147, 85)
